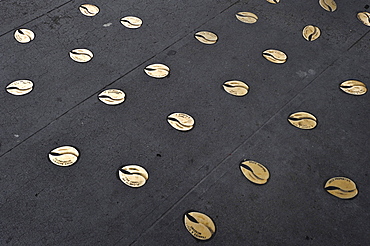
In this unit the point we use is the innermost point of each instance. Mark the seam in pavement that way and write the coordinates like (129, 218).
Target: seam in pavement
(36, 18)
(358, 40)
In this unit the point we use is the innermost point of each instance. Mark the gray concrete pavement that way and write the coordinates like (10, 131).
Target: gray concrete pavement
(85, 204)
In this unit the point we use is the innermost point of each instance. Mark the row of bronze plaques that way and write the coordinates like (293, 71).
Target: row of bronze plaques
(199, 225)
(309, 32)
(92, 10)
(136, 176)
(116, 96)
(185, 122)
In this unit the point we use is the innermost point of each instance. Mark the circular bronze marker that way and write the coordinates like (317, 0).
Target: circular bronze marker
(273, 1)
(112, 96)
(89, 9)
(131, 22)
(181, 121)
(353, 87)
(199, 225)
(24, 35)
(341, 187)
(236, 88)
(81, 55)
(20, 87)
(206, 37)
(157, 70)
(311, 33)
(133, 175)
(364, 17)
(247, 17)
(303, 120)
(64, 156)
(254, 172)
(275, 56)
(328, 5)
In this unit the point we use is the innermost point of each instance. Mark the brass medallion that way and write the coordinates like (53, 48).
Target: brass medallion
(328, 5)
(275, 56)
(236, 88)
(133, 175)
(81, 55)
(273, 1)
(206, 37)
(247, 17)
(364, 17)
(24, 35)
(131, 22)
(157, 70)
(254, 172)
(64, 156)
(311, 33)
(341, 187)
(89, 9)
(112, 96)
(303, 120)
(199, 225)
(20, 87)
(181, 121)
(353, 87)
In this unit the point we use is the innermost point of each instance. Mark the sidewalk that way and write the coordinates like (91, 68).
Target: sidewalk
(87, 204)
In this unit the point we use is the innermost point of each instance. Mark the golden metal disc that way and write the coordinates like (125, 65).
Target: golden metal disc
(89, 9)
(328, 5)
(341, 187)
(112, 96)
(236, 88)
(133, 175)
(303, 120)
(20, 87)
(206, 37)
(364, 17)
(64, 156)
(181, 121)
(24, 35)
(275, 56)
(157, 70)
(353, 87)
(254, 172)
(81, 55)
(199, 225)
(247, 17)
(131, 22)
(311, 33)
(273, 1)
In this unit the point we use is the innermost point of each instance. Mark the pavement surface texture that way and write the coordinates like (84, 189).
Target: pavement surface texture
(87, 204)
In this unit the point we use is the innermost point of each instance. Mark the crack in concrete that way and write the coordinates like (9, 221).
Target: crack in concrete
(358, 40)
